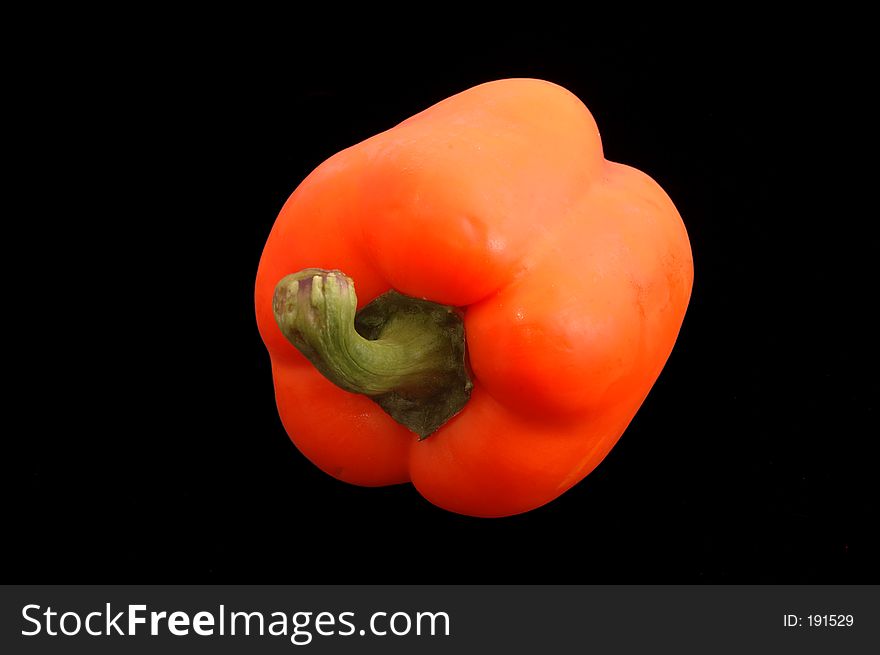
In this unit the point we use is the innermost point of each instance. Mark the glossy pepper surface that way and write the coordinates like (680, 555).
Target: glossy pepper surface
(501, 229)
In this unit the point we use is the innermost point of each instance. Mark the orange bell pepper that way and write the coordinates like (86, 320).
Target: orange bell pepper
(538, 292)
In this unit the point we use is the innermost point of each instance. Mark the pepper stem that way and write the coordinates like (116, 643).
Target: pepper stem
(406, 354)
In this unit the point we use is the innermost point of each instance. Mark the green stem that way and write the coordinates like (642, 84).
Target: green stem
(406, 354)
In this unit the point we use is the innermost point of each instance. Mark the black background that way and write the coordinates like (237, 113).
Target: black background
(165, 151)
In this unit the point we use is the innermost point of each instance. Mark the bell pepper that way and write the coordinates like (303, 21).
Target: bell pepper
(475, 301)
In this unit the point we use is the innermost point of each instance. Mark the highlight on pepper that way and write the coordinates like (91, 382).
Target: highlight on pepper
(475, 301)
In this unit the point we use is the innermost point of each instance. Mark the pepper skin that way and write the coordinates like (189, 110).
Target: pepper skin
(572, 274)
